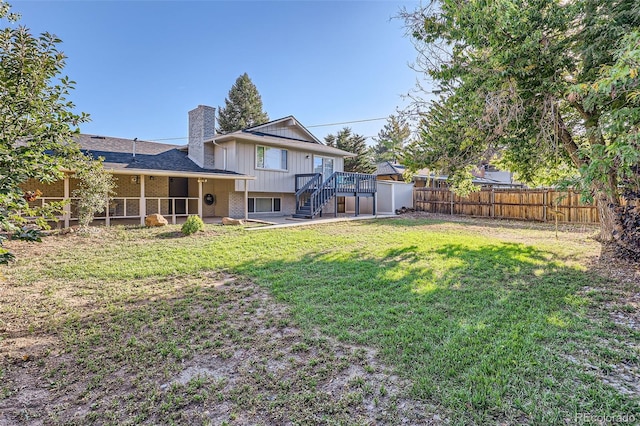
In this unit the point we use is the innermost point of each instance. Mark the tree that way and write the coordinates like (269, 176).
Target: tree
(243, 107)
(356, 144)
(36, 118)
(391, 140)
(520, 78)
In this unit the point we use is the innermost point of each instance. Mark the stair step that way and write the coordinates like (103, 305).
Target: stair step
(301, 216)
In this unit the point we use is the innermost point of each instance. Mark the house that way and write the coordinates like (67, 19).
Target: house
(276, 168)
(486, 176)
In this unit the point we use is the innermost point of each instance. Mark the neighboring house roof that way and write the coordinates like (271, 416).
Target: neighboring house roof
(387, 168)
(478, 180)
(284, 133)
(150, 157)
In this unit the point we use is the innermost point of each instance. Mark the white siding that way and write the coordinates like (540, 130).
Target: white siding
(274, 180)
(286, 131)
(220, 155)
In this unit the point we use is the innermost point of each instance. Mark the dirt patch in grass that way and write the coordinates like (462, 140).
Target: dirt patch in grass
(207, 349)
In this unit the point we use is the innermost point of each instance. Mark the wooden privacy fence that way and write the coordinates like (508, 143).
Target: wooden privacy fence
(541, 205)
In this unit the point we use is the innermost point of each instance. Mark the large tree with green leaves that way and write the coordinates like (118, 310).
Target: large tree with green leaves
(356, 144)
(525, 78)
(243, 107)
(36, 118)
(391, 140)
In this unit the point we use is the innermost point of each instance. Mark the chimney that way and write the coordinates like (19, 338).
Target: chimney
(202, 126)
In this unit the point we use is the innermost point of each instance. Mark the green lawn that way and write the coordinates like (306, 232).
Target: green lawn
(483, 323)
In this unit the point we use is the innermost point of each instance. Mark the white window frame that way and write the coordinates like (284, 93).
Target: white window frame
(269, 168)
(273, 203)
(333, 164)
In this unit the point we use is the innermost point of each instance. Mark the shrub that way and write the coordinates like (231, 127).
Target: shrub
(95, 189)
(192, 225)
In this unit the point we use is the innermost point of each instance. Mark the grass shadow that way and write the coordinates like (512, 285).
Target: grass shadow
(485, 328)
(170, 235)
(467, 221)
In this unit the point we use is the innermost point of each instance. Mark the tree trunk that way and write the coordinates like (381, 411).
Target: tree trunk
(607, 215)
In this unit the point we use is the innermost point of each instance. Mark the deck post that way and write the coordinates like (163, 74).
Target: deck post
(66, 212)
(143, 202)
(335, 206)
(375, 200)
(357, 205)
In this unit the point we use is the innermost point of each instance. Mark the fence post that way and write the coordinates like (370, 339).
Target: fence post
(451, 198)
(545, 200)
(415, 199)
(493, 202)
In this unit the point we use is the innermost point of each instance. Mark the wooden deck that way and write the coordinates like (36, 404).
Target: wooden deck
(313, 194)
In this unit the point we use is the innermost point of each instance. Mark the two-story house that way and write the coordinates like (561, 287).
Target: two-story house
(276, 168)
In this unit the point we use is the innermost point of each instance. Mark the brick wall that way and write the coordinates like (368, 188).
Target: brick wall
(55, 189)
(236, 204)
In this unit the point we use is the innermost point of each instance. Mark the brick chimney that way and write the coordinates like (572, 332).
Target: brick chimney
(202, 126)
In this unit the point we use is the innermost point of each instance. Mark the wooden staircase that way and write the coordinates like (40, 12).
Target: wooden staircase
(312, 194)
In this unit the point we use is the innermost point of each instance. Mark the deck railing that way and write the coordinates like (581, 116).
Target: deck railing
(304, 179)
(314, 194)
(355, 183)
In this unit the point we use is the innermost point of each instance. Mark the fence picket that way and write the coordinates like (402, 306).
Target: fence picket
(522, 204)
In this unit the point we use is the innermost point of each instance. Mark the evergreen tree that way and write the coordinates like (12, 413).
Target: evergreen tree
(391, 140)
(243, 107)
(355, 144)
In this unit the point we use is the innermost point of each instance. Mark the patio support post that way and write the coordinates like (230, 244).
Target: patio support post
(200, 181)
(143, 201)
(107, 218)
(357, 206)
(246, 200)
(66, 212)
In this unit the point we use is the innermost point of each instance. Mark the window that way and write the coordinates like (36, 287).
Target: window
(323, 165)
(264, 205)
(271, 158)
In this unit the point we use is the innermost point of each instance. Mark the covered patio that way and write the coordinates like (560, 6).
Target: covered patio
(139, 193)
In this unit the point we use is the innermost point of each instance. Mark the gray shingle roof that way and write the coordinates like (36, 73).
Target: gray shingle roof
(386, 168)
(118, 155)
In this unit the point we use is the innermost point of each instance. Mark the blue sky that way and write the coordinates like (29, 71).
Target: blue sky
(140, 66)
